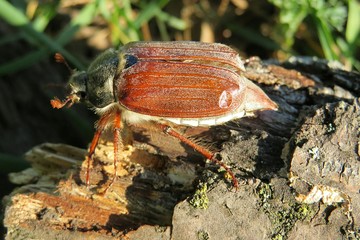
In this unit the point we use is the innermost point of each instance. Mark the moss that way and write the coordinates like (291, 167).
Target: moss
(283, 220)
(265, 193)
(282, 216)
(202, 235)
(200, 198)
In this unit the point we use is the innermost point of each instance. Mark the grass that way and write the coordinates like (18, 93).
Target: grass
(334, 22)
(336, 25)
(120, 21)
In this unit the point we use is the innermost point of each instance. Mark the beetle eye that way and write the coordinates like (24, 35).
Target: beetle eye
(82, 95)
(130, 60)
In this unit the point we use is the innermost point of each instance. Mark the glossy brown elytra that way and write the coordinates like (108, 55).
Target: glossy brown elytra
(166, 84)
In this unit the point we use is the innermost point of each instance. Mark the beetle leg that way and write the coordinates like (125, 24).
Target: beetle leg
(99, 130)
(117, 145)
(206, 153)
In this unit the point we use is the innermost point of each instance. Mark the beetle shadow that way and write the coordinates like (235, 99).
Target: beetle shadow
(152, 195)
(150, 200)
(147, 204)
(253, 148)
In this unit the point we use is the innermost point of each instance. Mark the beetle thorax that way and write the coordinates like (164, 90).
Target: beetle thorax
(100, 79)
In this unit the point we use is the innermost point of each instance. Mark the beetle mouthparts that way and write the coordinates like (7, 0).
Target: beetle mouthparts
(71, 99)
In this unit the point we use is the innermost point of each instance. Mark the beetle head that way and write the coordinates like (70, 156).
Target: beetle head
(94, 86)
(77, 86)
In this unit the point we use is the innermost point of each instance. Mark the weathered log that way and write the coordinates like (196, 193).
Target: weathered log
(299, 171)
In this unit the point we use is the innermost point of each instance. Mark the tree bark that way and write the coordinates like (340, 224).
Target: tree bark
(298, 168)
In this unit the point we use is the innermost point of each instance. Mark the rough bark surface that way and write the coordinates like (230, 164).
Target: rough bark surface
(298, 168)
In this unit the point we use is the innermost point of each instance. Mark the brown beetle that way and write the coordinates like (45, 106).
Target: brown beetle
(166, 84)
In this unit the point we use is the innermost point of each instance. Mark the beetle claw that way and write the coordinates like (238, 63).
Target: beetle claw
(217, 159)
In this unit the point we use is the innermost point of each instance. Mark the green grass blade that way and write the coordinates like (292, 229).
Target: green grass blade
(86, 15)
(172, 21)
(22, 62)
(46, 13)
(12, 15)
(326, 40)
(149, 11)
(46, 45)
(353, 24)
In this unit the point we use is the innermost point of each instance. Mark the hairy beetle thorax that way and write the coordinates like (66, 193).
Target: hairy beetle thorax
(100, 80)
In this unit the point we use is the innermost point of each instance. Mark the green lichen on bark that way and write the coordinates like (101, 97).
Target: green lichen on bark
(283, 214)
(200, 198)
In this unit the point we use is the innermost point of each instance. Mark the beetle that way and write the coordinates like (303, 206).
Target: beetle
(166, 84)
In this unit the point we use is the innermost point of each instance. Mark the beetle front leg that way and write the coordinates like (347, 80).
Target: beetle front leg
(206, 153)
(117, 146)
(89, 157)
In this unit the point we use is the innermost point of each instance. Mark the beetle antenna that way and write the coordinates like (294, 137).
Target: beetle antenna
(59, 58)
